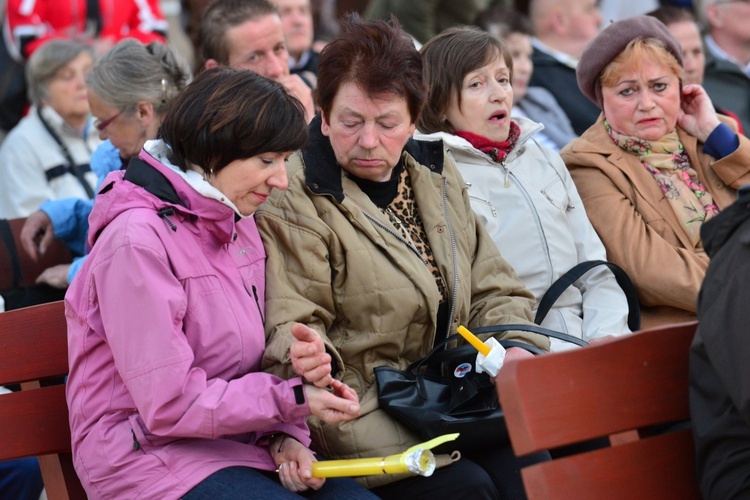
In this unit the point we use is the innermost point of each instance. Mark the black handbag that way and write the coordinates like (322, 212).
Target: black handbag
(442, 393)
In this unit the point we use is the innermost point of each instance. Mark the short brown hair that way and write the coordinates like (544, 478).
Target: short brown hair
(377, 56)
(227, 115)
(447, 59)
(222, 15)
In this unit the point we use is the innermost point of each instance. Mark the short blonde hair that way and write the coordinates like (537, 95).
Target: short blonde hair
(638, 53)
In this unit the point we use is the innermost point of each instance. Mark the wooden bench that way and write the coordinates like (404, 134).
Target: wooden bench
(633, 390)
(34, 421)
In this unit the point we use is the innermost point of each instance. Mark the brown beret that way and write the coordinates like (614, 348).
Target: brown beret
(610, 42)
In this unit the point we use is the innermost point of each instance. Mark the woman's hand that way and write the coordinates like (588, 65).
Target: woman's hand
(294, 462)
(699, 117)
(55, 276)
(309, 357)
(517, 353)
(299, 89)
(37, 234)
(333, 407)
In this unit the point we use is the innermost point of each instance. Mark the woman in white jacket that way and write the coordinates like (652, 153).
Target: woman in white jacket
(520, 190)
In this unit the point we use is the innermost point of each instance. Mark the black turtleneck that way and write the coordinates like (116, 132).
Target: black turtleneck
(381, 193)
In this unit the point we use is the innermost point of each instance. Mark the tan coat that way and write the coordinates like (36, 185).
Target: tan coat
(635, 220)
(336, 264)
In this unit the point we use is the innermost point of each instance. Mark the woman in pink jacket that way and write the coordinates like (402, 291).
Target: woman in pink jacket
(165, 319)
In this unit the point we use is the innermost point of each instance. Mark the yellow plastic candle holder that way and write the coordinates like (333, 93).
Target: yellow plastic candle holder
(416, 460)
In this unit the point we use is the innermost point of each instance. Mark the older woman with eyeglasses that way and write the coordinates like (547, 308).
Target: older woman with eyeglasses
(657, 164)
(46, 156)
(127, 91)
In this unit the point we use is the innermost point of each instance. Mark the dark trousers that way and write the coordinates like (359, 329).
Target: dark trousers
(485, 474)
(243, 483)
(21, 479)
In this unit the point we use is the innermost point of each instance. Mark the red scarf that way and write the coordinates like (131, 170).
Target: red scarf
(498, 151)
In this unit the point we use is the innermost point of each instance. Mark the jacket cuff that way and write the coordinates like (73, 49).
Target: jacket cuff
(721, 142)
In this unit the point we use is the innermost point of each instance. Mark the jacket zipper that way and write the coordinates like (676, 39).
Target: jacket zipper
(394, 233)
(486, 202)
(257, 303)
(507, 174)
(453, 251)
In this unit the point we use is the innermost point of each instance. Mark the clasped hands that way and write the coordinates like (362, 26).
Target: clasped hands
(330, 400)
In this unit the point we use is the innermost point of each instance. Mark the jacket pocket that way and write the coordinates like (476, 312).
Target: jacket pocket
(555, 192)
(144, 440)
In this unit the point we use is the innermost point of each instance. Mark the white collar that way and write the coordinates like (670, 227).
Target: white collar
(564, 58)
(722, 54)
(161, 150)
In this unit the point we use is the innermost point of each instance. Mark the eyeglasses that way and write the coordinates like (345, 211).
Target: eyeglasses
(100, 126)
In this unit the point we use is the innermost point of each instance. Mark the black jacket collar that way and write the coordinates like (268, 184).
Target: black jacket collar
(142, 174)
(323, 173)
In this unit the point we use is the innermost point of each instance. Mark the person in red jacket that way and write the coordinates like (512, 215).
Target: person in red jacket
(29, 23)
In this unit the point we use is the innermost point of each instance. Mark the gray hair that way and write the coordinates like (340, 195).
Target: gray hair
(46, 61)
(132, 72)
(700, 7)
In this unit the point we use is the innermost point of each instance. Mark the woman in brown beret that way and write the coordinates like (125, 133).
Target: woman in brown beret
(656, 165)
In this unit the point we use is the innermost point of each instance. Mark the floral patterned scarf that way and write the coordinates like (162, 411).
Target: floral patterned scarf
(668, 162)
(498, 151)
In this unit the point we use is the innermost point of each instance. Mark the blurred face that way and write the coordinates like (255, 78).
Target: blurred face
(728, 19)
(486, 100)
(520, 49)
(248, 182)
(367, 133)
(297, 21)
(66, 91)
(693, 60)
(581, 22)
(643, 103)
(125, 131)
(259, 45)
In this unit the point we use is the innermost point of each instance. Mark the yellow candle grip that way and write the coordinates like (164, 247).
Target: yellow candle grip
(416, 460)
(473, 340)
(360, 467)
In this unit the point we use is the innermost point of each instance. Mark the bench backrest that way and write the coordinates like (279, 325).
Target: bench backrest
(34, 421)
(633, 390)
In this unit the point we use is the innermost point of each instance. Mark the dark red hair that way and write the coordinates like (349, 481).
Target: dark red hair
(379, 57)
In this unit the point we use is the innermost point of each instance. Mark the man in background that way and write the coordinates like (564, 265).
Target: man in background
(297, 21)
(563, 28)
(727, 41)
(248, 34)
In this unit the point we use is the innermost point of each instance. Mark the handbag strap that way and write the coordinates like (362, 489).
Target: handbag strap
(533, 329)
(574, 274)
(436, 354)
(10, 244)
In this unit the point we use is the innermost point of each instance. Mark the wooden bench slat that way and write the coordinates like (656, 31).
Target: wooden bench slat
(601, 390)
(34, 421)
(660, 467)
(632, 390)
(39, 332)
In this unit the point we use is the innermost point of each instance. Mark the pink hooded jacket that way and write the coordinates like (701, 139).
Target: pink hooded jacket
(165, 338)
